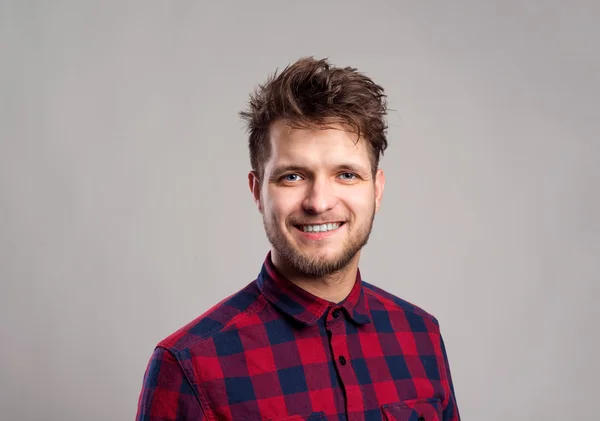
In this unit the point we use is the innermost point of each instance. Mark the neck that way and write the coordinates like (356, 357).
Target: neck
(334, 287)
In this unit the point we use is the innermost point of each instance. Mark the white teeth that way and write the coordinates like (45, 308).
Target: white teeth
(320, 228)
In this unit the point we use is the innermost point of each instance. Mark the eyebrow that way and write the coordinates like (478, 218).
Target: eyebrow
(287, 168)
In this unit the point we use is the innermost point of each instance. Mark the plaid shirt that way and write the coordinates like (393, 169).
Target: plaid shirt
(273, 351)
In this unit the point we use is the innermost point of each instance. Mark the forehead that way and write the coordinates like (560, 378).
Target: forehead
(316, 146)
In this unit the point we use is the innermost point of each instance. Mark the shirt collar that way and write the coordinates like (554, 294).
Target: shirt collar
(304, 306)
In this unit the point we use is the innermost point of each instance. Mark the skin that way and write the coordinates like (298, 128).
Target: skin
(315, 176)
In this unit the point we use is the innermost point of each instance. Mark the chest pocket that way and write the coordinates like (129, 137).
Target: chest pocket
(417, 410)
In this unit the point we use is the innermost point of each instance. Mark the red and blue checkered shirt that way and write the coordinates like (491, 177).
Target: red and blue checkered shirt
(273, 351)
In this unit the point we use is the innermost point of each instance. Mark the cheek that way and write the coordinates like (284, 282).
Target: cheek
(283, 205)
(278, 208)
(361, 203)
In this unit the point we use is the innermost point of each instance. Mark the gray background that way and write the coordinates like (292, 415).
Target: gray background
(125, 212)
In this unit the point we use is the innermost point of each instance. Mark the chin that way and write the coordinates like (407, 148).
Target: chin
(323, 256)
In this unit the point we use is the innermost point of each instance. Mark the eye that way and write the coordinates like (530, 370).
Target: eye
(347, 176)
(291, 177)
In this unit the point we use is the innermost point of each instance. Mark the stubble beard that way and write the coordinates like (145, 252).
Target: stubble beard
(311, 266)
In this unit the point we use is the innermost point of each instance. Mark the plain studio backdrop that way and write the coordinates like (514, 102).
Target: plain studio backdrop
(125, 211)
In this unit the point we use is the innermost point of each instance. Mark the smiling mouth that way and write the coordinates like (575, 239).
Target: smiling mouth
(315, 228)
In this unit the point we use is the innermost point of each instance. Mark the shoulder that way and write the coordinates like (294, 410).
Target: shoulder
(380, 299)
(222, 315)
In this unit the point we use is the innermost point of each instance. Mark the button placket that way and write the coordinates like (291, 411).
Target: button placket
(341, 359)
(336, 331)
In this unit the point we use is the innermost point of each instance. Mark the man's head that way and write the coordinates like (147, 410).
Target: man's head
(316, 136)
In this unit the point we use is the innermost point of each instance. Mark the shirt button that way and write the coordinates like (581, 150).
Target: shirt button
(342, 360)
(336, 312)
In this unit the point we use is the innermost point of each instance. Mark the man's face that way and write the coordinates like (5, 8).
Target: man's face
(317, 197)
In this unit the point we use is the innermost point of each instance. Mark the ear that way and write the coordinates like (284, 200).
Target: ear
(379, 186)
(254, 184)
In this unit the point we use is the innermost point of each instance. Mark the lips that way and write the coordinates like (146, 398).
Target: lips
(319, 231)
(324, 227)
(320, 226)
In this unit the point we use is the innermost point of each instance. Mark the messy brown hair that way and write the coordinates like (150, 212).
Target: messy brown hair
(312, 93)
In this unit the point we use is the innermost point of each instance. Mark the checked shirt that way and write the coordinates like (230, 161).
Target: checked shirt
(273, 351)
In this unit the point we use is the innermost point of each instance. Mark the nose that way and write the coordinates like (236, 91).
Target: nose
(320, 197)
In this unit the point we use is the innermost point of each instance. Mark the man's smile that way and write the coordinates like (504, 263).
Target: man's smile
(319, 231)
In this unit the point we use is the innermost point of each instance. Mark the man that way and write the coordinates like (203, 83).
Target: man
(308, 339)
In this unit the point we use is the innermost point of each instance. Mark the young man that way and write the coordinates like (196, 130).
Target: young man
(308, 339)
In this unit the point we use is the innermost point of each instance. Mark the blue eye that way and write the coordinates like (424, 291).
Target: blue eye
(348, 176)
(291, 177)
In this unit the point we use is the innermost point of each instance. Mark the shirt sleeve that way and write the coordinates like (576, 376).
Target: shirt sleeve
(450, 412)
(166, 394)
